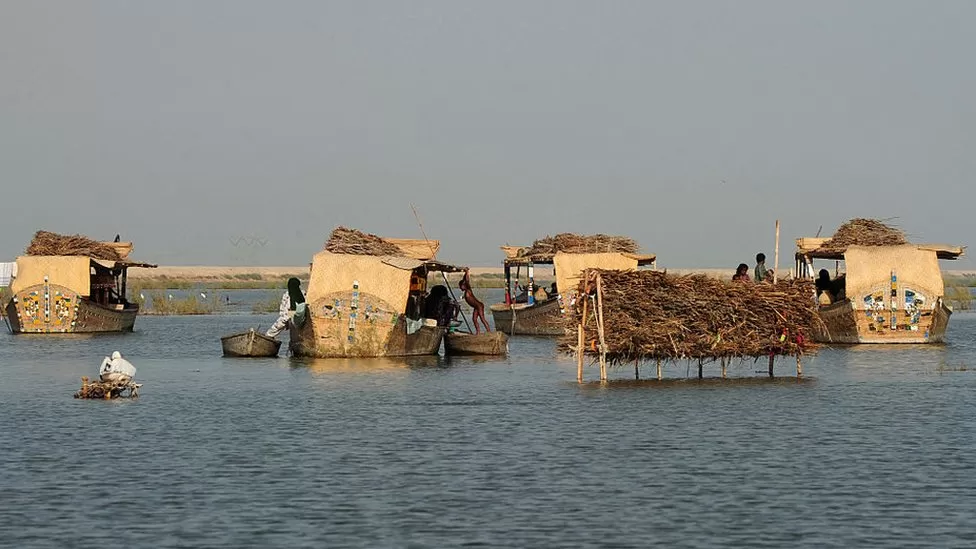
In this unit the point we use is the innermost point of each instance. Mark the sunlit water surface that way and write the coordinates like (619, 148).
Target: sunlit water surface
(874, 448)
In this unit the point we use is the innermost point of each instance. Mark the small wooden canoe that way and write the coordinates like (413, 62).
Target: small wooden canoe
(250, 343)
(487, 343)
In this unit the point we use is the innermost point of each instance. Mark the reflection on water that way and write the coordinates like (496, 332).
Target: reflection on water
(874, 447)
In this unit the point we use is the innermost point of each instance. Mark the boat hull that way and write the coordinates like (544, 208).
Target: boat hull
(489, 343)
(841, 322)
(543, 318)
(250, 344)
(323, 337)
(54, 309)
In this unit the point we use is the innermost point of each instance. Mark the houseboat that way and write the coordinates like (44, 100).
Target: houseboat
(526, 310)
(892, 293)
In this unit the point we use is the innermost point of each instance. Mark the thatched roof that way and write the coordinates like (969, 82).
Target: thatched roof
(653, 315)
(544, 249)
(865, 232)
(46, 243)
(354, 242)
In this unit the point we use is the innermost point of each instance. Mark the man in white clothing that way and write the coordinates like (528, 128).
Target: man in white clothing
(117, 369)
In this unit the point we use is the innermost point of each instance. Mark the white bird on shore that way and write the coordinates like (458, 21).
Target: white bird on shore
(171, 296)
(203, 295)
(142, 297)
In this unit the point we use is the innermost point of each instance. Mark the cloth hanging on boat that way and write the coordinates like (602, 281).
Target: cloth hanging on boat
(7, 272)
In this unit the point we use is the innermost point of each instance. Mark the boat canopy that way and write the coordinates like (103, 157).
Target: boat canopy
(811, 248)
(73, 272)
(870, 269)
(385, 277)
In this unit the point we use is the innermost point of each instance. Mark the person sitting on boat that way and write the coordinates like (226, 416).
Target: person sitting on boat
(477, 307)
(522, 293)
(762, 273)
(290, 302)
(741, 273)
(116, 369)
(439, 306)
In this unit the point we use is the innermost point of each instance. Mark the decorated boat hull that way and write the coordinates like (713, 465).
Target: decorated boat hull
(321, 337)
(250, 344)
(842, 322)
(54, 309)
(488, 343)
(542, 318)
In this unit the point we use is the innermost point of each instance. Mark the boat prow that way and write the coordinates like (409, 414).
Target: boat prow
(250, 344)
(486, 343)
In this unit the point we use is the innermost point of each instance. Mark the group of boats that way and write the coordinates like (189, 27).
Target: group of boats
(378, 304)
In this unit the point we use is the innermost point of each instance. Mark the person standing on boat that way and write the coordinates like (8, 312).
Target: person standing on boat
(290, 301)
(762, 273)
(477, 307)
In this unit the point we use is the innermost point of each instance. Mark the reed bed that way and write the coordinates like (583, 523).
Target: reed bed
(651, 315)
(355, 242)
(48, 243)
(863, 232)
(580, 244)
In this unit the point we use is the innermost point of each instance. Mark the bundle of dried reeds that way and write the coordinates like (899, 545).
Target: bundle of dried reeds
(353, 242)
(580, 244)
(863, 232)
(48, 243)
(655, 315)
(107, 389)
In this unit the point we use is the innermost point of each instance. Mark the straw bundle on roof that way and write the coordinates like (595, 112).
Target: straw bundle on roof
(353, 242)
(863, 232)
(48, 243)
(655, 315)
(575, 243)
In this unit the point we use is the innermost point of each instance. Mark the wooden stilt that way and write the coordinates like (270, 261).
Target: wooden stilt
(660, 374)
(771, 359)
(600, 329)
(579, 355)
(723, 368)
(637, 369)
(799, 367)
(699, 368)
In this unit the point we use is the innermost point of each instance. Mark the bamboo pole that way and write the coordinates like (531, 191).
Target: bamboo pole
(772, 357)
(637, 369)
(799, 367)
(660, 374)
(776, 254)
(582, 334)
(699, 368)
(723, 368)
(599, 325)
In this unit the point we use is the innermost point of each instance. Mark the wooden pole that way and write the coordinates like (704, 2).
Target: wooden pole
(600, 328)
(637, 369)
(799, 367)
(723, 368)
(776, 254)
(660, 374)
(699, 368)
(582, 334)
(579, 355)
(772, 357)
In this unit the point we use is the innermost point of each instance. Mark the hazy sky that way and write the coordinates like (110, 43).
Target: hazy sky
(237, 132)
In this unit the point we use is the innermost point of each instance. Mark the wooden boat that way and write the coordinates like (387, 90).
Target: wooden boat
(372, 305)
(888, 294)
(70, 294)
(250, 344)
(485, 343)
(540, 318)
(546, 317)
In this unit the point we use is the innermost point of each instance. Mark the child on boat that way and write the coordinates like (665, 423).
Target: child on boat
(477, 307)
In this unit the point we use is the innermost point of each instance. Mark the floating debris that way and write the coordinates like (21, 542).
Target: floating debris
(107, 390)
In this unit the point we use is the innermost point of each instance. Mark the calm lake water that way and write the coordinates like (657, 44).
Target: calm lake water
(876, 448)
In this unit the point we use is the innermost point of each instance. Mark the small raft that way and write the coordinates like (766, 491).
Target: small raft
(487, 343)
(250, 344)
(107, 390)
